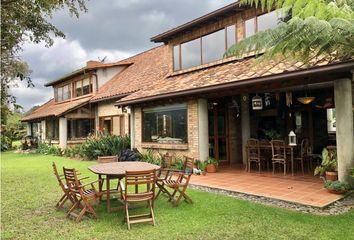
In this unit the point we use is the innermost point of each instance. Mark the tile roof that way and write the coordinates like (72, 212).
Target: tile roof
(144, 70)
(51, 108)
(222, 74)
(90, 65)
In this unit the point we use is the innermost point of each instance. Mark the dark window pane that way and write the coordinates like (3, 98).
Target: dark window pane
(250, 27)
(266, 21)
(80, 128)
(52, 129)
(191, 55)
(165, 124)
(78, 88)
(213, 46)
(176, 62)
(231, 35)
(86, 86)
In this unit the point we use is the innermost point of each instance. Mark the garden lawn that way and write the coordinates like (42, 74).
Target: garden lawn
(29, 192)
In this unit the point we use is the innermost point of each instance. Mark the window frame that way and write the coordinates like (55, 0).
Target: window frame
(82, 87)
(92, 126)
(56, 92)
(121, 126)
(170, 105)
(202, 62)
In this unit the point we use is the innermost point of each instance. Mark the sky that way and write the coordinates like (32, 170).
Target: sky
(115, 29)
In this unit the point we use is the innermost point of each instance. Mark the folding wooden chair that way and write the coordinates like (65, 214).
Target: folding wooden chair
(136, 194)
(81, 194)
(180, 183)
(164, 173)
(66, 196)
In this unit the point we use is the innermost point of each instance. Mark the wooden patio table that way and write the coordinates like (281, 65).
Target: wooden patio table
(116, 170)
(288, 148)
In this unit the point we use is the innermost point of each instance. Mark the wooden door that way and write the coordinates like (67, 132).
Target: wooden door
(218, 134)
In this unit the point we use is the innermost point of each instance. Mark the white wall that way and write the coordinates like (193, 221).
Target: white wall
(106, 74)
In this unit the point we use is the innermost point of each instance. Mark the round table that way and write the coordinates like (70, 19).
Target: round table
(116, 170)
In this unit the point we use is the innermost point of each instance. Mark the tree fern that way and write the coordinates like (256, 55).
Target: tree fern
(315, 29)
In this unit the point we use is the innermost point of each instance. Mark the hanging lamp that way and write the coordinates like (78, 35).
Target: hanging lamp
(306, 99)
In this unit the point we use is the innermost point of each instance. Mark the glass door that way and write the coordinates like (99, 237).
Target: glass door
(218, 136)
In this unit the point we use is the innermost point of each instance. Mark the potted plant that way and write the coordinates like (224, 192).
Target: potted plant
(337, 187)
(328, 166)
(211, 165)
(202, 166)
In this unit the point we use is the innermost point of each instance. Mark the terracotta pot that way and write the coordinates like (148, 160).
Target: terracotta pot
(210, 168)
(332, 176)
(203, 173)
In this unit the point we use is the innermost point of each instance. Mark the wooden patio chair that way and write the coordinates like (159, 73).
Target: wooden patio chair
(301, 154)
(108, 159)
(137, 195)
(82, 194)
(180, 183)
(279, 154)
(253, 153)
(66, 192)
(164, 173)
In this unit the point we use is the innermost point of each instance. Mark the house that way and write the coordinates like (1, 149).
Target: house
(184, 97)
(208, 105)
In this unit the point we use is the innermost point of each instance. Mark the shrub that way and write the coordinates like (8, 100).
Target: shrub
(104, 145)
(49, 149)
(6, 143)
(150, 156)
(337, 185)
(73, 152)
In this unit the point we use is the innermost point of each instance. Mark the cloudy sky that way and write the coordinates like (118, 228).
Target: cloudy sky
(113, 28)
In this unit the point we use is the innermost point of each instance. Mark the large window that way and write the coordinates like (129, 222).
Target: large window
(190, 52)
(213, 46)
(83, 87)
(52, 128)
(167, 124)
(267, 21)
(264, 22)
(250, 27)
(63, 93)
(206, 49)
(80, 128)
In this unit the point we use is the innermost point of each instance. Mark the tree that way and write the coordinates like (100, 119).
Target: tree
(309, 31)
(27, 20)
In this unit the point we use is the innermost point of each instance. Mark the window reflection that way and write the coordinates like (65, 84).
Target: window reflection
(165, 124)
(250, 28)
(191, 55)
(213, 46)
(267, 21)
(176, 58)
(231, 35)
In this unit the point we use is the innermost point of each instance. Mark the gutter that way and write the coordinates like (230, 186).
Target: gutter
(239, 83)
(111, 97)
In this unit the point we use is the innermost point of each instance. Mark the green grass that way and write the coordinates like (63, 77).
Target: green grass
(30, 191)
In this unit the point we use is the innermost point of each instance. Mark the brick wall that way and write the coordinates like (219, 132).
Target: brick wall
(191, 149)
